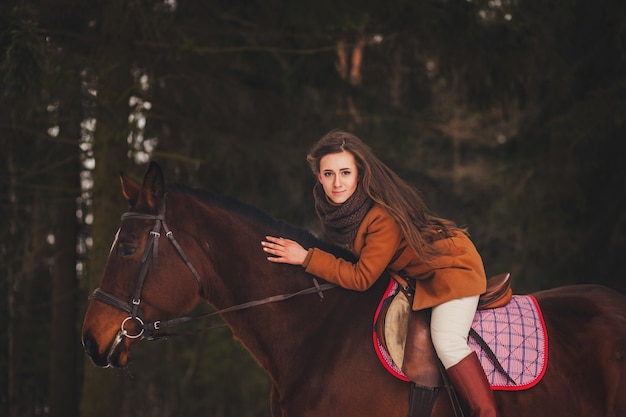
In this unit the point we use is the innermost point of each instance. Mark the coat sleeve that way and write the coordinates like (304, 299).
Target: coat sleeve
(381, 237)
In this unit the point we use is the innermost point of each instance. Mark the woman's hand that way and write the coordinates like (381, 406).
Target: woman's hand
(284, 250)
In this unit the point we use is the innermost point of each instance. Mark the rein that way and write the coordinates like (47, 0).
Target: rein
(147, 330)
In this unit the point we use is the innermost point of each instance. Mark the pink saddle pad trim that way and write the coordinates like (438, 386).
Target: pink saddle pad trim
(516, 334)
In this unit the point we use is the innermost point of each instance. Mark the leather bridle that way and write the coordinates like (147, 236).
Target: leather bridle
(150, 254)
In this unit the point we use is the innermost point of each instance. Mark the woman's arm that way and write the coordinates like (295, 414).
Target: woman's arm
(377, 241)
(376, 244)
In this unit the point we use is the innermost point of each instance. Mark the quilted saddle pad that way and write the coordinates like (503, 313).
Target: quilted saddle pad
(515, 333)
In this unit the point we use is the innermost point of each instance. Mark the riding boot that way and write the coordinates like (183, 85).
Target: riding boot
(470, 383)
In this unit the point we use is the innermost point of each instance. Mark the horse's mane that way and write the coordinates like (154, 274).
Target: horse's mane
(282, 228)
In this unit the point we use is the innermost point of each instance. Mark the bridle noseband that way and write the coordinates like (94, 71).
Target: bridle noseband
(151, 254)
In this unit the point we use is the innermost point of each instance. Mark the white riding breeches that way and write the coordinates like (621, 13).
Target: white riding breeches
(449, 327)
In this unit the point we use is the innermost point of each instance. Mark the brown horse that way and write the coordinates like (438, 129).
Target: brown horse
(316, 347)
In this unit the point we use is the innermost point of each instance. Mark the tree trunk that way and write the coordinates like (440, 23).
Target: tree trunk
(24, 256)
(103, 389)
(64, 376)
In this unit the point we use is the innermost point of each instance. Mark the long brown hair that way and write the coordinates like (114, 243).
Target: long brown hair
(403, 202)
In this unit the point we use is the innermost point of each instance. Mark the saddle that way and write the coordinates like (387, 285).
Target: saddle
(394, 334)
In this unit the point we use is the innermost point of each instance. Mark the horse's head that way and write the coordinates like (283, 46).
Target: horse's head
(147, 277)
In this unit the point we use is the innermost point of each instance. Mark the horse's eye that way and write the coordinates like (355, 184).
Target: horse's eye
(126, 250)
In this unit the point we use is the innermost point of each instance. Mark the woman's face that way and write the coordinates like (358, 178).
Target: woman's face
(338, 176)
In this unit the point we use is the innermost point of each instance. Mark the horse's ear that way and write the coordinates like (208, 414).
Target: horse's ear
(152, 190)
(130, 188)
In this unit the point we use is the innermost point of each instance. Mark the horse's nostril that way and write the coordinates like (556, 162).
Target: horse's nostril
(91, 347)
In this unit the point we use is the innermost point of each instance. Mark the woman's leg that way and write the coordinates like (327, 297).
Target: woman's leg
(450, 325)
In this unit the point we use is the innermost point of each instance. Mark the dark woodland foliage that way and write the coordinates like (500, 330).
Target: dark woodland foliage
(507, 115)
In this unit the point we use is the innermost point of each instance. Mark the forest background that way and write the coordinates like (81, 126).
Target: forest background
(508, 115)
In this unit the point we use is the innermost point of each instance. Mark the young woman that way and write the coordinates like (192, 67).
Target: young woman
(363, 204)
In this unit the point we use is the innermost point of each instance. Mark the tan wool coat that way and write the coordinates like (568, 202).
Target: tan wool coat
(379, 244)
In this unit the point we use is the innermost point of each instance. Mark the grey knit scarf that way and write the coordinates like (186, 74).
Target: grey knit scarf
(341, 222)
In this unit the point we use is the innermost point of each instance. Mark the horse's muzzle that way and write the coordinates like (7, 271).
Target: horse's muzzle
(91, 347)
(115, 356)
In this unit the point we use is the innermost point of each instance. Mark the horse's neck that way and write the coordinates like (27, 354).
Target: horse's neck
(304, 328)
(275, 333)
